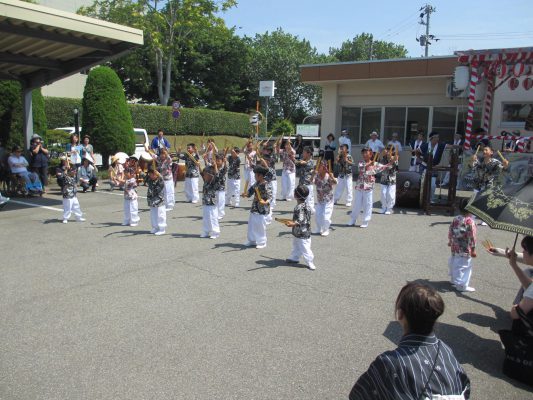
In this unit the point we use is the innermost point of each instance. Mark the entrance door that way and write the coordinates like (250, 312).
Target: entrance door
(417, 121)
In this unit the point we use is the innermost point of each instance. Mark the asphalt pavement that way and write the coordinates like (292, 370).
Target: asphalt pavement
(96, 310)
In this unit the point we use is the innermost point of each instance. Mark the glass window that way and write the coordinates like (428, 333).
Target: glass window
(417, 121)
(394, 122)
(462, 113)
(517, 115)
(371, 121)
(351, 117)
(444, 123)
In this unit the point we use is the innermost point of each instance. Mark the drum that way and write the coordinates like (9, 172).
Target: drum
(409, 189)
(178, 170)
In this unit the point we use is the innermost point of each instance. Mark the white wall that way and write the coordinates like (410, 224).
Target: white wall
(71, 87)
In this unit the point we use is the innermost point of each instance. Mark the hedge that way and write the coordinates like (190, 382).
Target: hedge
(59, 112)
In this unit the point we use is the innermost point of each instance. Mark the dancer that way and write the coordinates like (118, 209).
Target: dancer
(192, 173)
(156, 201)
(288, 174)
(250, 156)
(324, 182)
(164, 167)
(301, 224)
(233, 194)
(345, 178)
(210, 225)
(221, 168)
(131, 205)
(71, 205)
(262, 193)
(388, 180)
(462, 238)
(268, 161)
(304, 170)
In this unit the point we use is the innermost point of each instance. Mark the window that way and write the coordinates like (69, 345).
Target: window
(394, 122)
(444, 123)
(517, 115)
(350, 120)
(462, 113)
(417, 121)
(371, 121)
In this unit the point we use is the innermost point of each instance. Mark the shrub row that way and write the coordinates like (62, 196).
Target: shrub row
(59, 112)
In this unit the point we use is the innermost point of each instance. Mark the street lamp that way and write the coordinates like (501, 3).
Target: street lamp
(77, 121)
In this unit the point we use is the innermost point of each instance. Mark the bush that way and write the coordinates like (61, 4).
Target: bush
(283, 127)
(105, 116)
(60, 111)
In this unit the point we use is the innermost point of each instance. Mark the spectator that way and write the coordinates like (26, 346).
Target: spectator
(159, 142)
(374, 143)
(298, 147)
(87, 175)
(345, 139)
(116, 174)
(422, 366)
(395, 142)
(87, 149)
(74, 150)
(18, 164)
(39, 160)
(329, 150)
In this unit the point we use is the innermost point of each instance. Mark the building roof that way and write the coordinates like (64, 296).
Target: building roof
(379, 69)
(39, 45)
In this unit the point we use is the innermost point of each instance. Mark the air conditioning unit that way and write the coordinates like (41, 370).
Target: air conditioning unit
(453, 93)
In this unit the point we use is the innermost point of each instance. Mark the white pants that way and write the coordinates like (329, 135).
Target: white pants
(302, 248)
(71, 206)
(363, 201)
(311, 198)
(274, 194)
(388, 197)
(288, 180)
(257, 229)
(344, 183)
(210, 225)
(158, 218)
(460, 270)
(233, 193)
(249, 177)
(131, 212)
(433, 198)
(169, 194)
(323, 216)
(221, 203)
(191, 190)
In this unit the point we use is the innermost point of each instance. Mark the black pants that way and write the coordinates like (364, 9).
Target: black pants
(42, 172)
(92, 184)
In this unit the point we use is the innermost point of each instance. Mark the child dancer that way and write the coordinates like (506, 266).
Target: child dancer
(268, 161)
(345, 178)
(304, 170)
(364, 187)
(249, 165)
(301, 223)
(324, 182)
(156, 201)
(233, 194)
(221, 168)
(164, 166)
(131, 205)
(71, 205)
(192, 173)
(388, 181)
(210, 226)
(288, 174)
(462, 237)
(262, 193)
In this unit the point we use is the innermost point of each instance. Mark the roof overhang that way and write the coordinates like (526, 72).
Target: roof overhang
(378, 69)
(40, 45)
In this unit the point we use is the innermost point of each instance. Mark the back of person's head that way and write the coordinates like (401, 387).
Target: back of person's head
(301, 192)
(527, 244)
(236, 150)
(308, 149)
(421, 305)
(462, 205)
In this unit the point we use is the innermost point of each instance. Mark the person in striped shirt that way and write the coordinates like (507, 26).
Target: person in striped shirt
(422, 367)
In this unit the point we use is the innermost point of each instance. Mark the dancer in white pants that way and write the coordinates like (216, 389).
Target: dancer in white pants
(324, 182)
(210, 225)
(233, 191)
(388, 181)
(164, 167)
(131, 206)
(304, 170)
(345, 178)
(192, 173)
(301, 226)
(261, 192)
(71, 204)
(288, 174)
(250, 158)
(268, 160)
(156, 202)
(221, 168)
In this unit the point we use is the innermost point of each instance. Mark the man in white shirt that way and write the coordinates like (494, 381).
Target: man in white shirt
(344, 139)
(374, 143)
(395, 142)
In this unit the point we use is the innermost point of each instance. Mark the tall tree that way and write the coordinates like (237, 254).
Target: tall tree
(364, 47)
(277, 56)
(168, 27)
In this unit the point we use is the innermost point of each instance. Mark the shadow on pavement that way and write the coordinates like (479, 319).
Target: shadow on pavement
(234, 246)
(275, 263)
(129, 233)
(233, 223)
(186, 235)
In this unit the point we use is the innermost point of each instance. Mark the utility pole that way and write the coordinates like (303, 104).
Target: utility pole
(425, 40)
(371, 51)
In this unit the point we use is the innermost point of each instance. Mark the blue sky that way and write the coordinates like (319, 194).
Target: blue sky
(327, 23)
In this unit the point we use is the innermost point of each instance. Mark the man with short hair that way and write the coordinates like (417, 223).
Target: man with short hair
(395, 142)
(345, 139)
(159, 142)
(374, 143)
(436, 149)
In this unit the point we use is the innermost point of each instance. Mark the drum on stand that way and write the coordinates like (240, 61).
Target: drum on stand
(410, 189)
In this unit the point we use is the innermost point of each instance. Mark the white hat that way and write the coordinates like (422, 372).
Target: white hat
(374, 133)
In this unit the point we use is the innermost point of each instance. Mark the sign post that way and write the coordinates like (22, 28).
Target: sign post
(266, 89)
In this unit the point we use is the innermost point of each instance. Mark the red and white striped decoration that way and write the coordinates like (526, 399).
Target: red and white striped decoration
(521, 140)
(488, 102)
(471, 102)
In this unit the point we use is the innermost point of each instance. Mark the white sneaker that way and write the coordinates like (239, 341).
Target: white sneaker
(387, 212)
(215, 236)
(325, 233)
(261, 246)
(81, 219)
(153, 230)
(135, 224)
(364, 225)
(465, 289)
(159, 233)
(348, 204)
(311, 266)
(65, 221)
(483, 223)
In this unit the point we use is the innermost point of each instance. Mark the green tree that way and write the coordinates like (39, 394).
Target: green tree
(364, 47)
(278, 56)
(168, 28)
(283, 127)
(106, 117)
